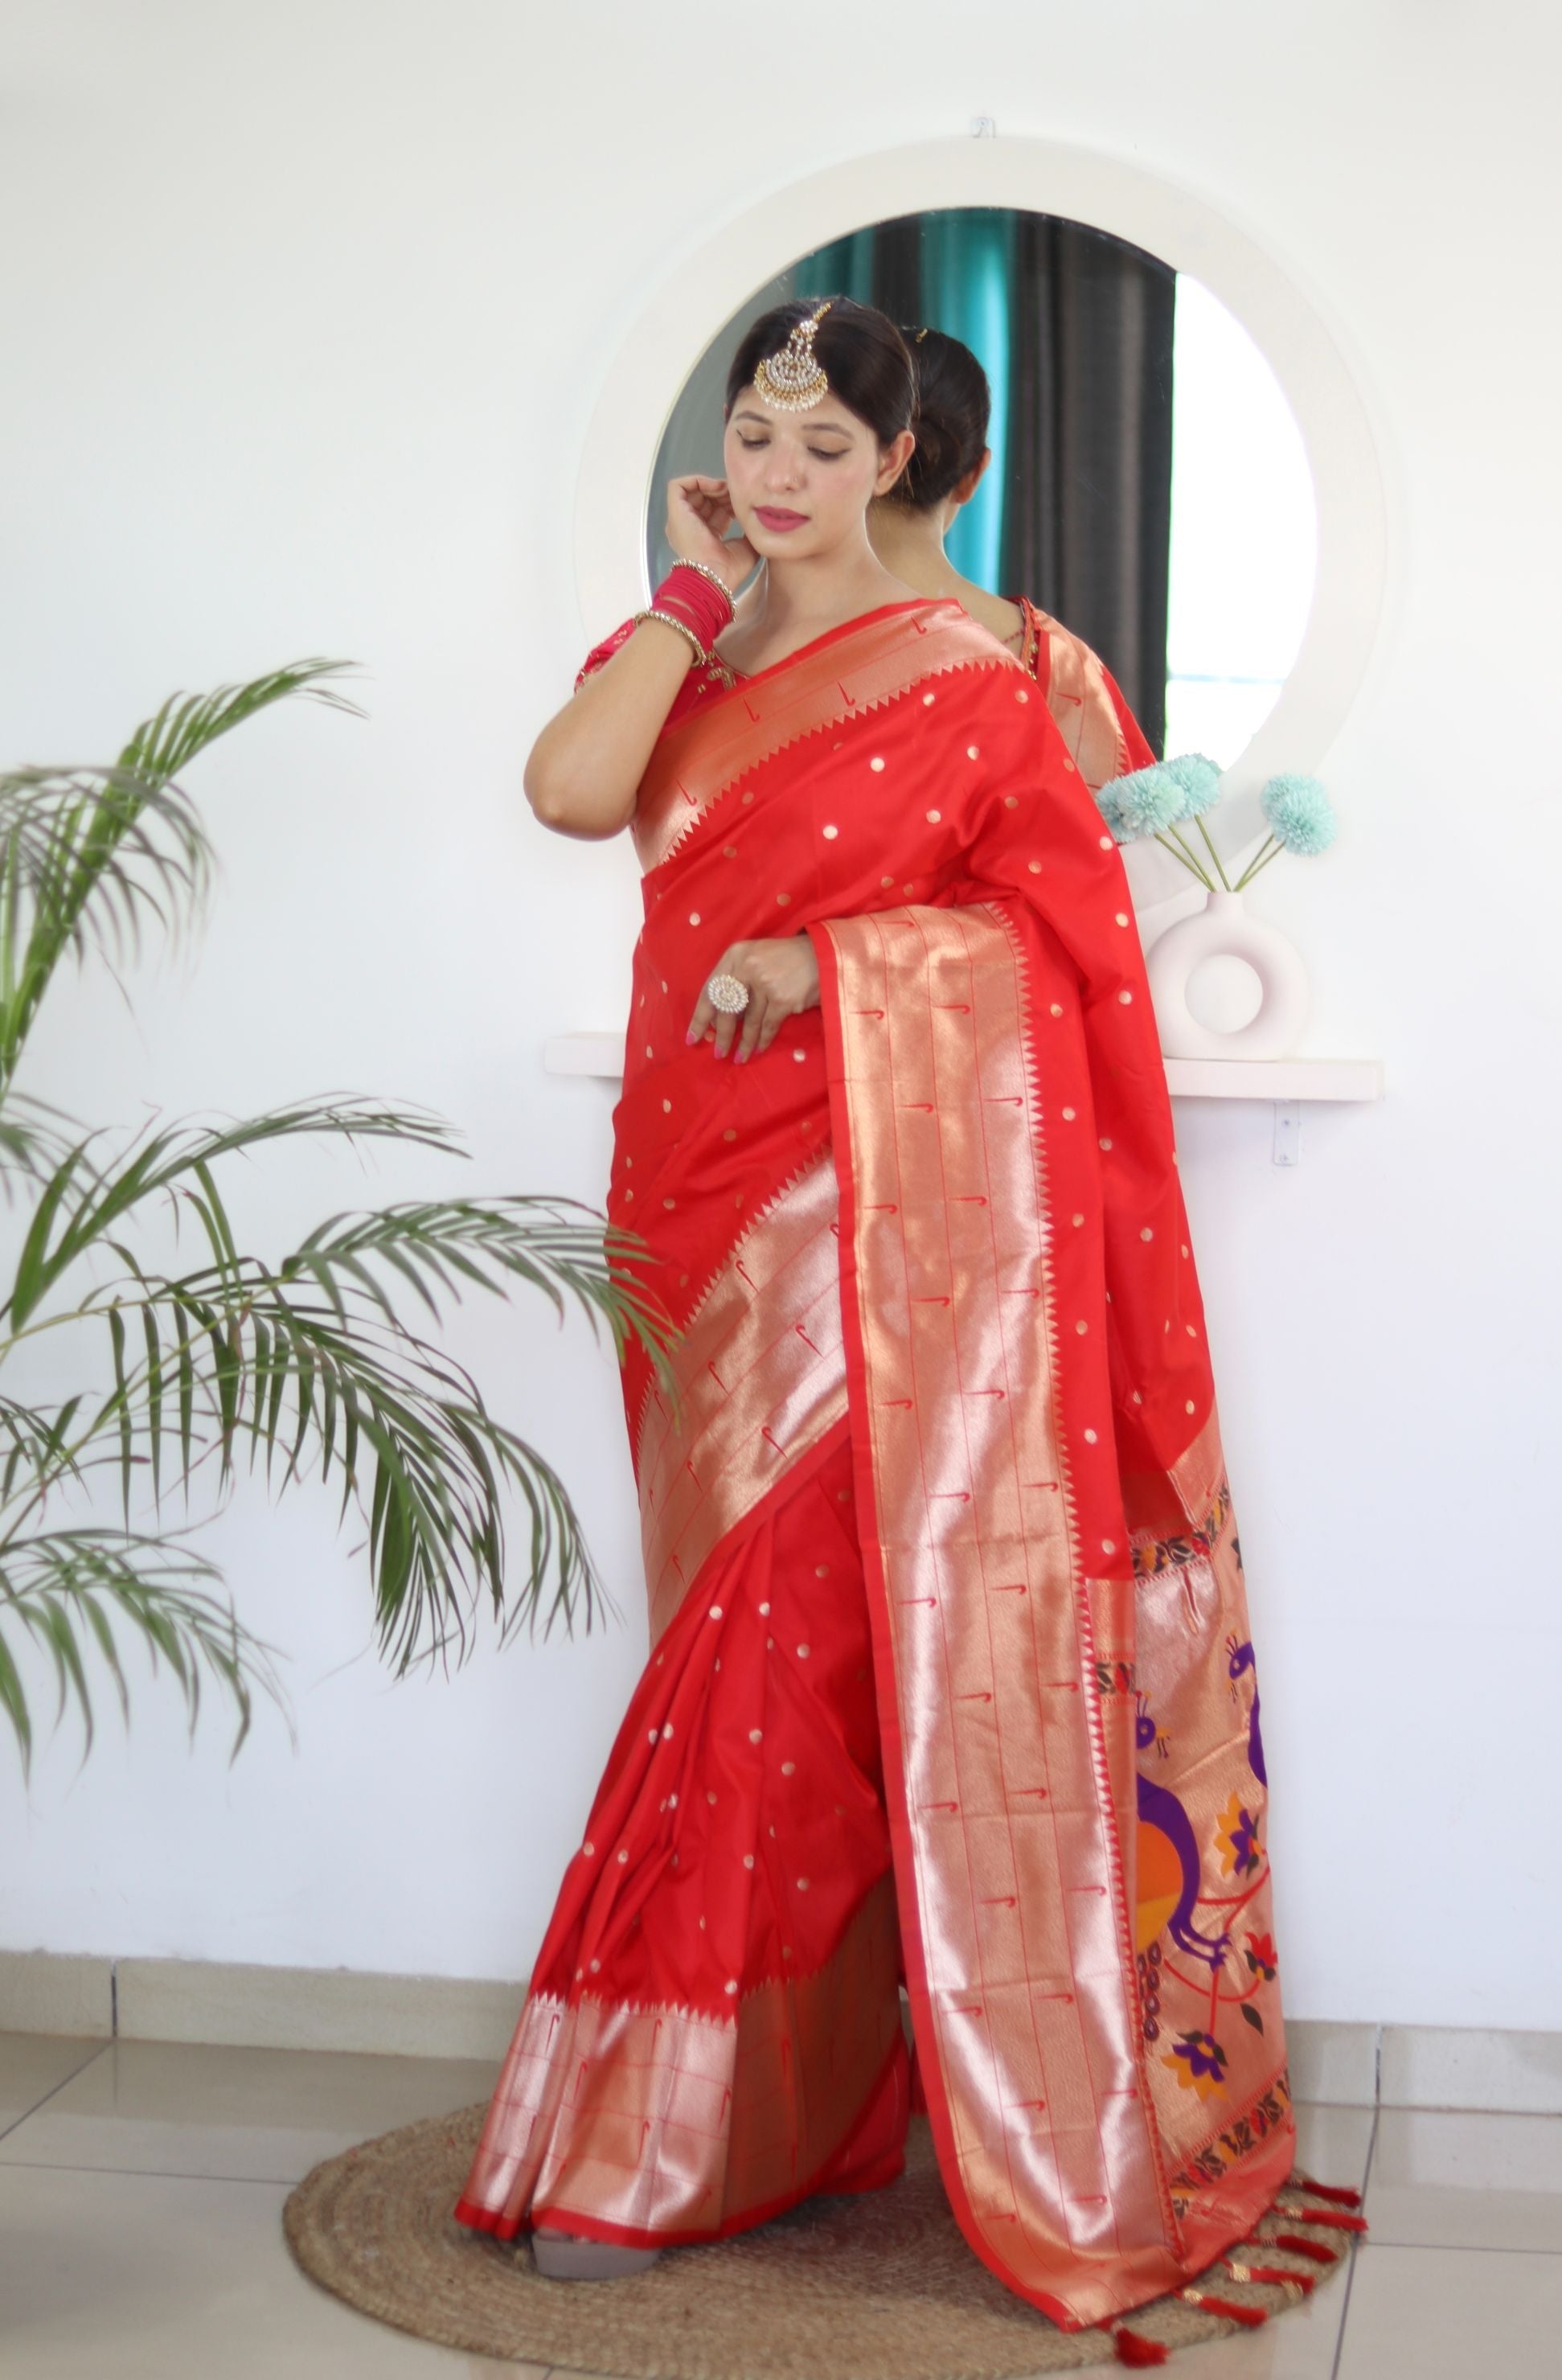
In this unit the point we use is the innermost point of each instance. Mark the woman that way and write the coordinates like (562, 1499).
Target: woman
(937, 1533)
(908, 527)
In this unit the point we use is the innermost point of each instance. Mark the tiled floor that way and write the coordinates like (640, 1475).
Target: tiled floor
(141, 2188)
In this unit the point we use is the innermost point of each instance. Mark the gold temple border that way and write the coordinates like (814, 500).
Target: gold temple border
(663, 2119)
(1019, 1920)
(695, 761)
(1081, 703)
(761, 1375)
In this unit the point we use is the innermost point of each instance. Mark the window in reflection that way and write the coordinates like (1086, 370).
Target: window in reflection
(1243, 534)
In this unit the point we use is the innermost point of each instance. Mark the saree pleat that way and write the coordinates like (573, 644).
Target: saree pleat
(717, 2001)
(951, 1674)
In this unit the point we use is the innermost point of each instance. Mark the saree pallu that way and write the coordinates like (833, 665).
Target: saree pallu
(950, 1673)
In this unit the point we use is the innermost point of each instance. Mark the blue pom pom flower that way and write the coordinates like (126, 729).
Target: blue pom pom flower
(1111, 810)
(1199, 780)
(1301, 815)
(1161, 800)
(1157, 800)
(1148, 802)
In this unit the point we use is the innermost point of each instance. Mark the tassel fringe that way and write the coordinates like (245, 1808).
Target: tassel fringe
(1330, 2190)
(1251, 2317)
(1272, 2276)
(1299, 2247)
(1327, 2218)
(1134, 2350)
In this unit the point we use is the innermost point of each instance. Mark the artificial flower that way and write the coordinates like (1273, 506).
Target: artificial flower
(1301, 815)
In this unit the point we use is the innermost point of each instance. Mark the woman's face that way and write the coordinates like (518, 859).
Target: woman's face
(801, 483)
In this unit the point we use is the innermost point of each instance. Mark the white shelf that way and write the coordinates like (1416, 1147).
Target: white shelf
(1274, 1078)
(1187, 1078)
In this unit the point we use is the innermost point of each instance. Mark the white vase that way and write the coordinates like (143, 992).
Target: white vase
(1224, 928)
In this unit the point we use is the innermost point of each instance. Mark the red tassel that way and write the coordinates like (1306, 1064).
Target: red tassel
(1298, 2247)
(1327, 2189)
(1229, 2311)
(1329, 2219)
(1135, 2349)
(1272, 2276)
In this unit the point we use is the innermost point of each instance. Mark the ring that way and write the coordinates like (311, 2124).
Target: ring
(727, 993)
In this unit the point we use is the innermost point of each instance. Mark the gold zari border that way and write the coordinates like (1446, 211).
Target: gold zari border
(1014, 1910)
(695, 761)
(664, 2121)
(1081, 702)
(760, 1378)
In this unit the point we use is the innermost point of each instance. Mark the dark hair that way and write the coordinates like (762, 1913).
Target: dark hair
(860, 348)
(953, 408)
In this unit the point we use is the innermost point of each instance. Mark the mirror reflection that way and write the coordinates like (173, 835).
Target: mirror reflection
(1147, 485)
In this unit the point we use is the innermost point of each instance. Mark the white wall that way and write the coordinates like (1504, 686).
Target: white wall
(304, 309)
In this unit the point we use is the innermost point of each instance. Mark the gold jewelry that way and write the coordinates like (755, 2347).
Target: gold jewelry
(727, 993)
(685, 562)
(669, 621)
(792, 380)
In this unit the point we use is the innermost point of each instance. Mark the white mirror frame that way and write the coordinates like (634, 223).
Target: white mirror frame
(701, 293)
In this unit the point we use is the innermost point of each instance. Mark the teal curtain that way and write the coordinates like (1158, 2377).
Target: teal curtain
(846, 265)
(967, 265)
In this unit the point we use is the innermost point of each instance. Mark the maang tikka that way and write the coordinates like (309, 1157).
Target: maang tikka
(793, 379)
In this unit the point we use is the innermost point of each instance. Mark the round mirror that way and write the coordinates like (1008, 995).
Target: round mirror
(1148, 486)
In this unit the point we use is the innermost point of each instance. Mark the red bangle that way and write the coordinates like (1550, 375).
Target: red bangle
(708, 608)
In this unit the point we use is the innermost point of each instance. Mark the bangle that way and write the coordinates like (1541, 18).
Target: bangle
(685, 562)
(698, 599)
(668, 621)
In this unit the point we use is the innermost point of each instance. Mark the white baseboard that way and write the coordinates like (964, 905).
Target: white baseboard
(303, 2007)
(1334, 2064)
(440, 2016)
(48, 1991)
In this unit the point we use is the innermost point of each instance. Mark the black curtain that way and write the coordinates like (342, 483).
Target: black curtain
(897, 270)
(1087, 519)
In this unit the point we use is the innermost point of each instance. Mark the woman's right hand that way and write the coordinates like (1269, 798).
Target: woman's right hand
(699, 514)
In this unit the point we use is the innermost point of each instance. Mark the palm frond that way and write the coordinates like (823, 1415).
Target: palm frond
(75, 1594)
(35, 1139)
(87, 855)
(187, 724)
(307, 1368)
(310, 1368)
(37, 1443)
(557, 1245)
(85, 1197)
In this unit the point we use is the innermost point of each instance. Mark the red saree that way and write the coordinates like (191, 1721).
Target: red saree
(951, 1674)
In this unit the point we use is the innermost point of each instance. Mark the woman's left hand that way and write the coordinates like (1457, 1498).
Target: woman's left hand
(783, 979)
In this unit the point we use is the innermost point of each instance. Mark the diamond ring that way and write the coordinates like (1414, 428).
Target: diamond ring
(727, 993)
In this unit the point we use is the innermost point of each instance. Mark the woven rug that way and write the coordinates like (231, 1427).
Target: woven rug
(881, 2287)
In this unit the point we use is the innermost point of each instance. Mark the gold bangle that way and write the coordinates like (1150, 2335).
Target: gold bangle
(669, 621)
(685, 562)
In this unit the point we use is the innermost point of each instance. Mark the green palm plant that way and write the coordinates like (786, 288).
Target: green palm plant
(305, 1366)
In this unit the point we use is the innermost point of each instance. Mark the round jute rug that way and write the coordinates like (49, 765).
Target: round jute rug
(881, 2287)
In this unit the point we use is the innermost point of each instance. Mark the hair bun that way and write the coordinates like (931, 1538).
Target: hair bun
(954, 408)
(935, 466)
